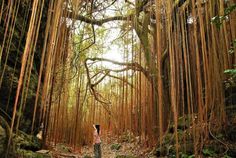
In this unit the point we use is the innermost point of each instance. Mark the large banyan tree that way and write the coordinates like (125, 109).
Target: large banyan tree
(177, 53)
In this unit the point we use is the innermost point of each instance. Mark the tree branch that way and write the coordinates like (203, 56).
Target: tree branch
(99, 22)
(133, 66)
(93, 91)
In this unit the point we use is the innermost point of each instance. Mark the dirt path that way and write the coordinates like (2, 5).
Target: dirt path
(111, 150)
(127, 150)
(107, 152)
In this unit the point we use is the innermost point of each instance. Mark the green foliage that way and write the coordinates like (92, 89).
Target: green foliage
(30, 154)
(231, 72)
(63, 148)
(115, 146)
(230, 9)
(24, 141)
(213, 153)
(3, 138)
(208, 152)
(233, 47)
(182, 155)
(218, 20)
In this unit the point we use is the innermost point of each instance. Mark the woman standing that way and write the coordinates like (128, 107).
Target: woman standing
(97, 141)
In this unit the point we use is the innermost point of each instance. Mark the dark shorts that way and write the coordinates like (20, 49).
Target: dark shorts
(97, 150)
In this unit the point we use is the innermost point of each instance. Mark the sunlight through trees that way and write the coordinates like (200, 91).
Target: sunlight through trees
(146, 67)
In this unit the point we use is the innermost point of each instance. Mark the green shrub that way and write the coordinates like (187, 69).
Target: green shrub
(115, 146)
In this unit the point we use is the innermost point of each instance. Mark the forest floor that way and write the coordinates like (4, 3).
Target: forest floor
(111, 149)
(118, 150)
(127, 150)
(220, 144)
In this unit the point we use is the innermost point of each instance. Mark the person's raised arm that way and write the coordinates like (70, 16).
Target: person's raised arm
(94, 127)
(94, 134)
